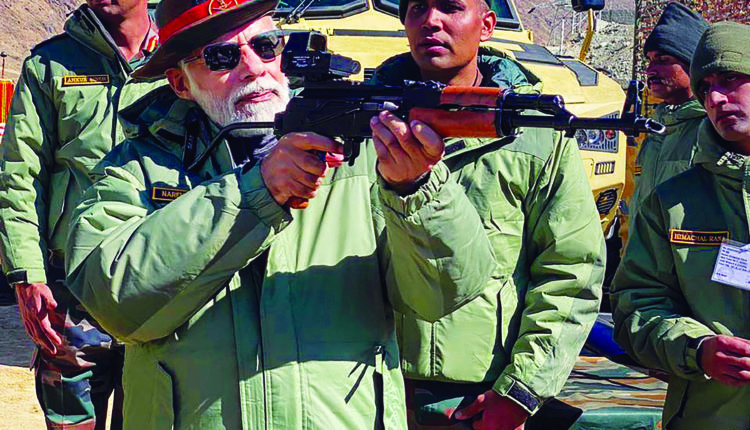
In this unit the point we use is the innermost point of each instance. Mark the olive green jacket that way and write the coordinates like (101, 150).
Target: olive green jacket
(240, 314)
(62, 122)
(664, 156)
(535, 204)
(662, 293)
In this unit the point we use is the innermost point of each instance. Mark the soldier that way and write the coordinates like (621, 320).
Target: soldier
(62, 121)
(503, 355)
(680, 296)
(669, 48)
(237, 311)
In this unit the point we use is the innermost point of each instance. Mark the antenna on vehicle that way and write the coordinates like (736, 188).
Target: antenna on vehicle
(3, 55)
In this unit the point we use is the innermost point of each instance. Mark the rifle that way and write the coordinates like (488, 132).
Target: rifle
(337, 108)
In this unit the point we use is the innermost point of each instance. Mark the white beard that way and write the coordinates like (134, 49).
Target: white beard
(225, 111)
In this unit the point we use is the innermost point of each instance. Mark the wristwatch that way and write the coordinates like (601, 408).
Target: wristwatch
(692, 353)
(523, 396)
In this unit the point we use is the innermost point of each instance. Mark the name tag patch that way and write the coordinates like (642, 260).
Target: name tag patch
(695, 237)
(162, 194)
(79, 80)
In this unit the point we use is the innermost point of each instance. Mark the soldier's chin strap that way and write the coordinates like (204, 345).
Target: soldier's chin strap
(192, 130)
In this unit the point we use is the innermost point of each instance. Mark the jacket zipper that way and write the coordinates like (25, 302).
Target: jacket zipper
(259, 295)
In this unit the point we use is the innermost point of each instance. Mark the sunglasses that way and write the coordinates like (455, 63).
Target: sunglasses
(226, 55)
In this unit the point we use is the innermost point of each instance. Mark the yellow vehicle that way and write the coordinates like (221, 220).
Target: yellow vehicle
(370, 32)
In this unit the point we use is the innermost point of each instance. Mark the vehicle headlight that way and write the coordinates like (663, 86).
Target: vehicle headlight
(598, 140)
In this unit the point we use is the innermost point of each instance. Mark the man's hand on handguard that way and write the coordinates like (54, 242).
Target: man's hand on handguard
(492, 411)
(35, 303)
(293, 169)
(406, 152)
(726, 359)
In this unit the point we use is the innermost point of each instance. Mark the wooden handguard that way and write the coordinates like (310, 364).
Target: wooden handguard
(456, 124)
(471, 96)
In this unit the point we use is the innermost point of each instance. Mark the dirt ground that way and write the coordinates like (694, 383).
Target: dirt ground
(18, 406)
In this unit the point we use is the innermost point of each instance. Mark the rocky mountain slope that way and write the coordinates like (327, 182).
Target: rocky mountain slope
(24, 23)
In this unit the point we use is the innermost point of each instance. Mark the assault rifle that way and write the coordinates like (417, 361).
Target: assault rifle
(337, 108)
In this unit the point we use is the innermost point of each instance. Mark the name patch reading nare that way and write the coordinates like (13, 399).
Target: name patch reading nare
(78, 80)
(694, 237)
(162, 194)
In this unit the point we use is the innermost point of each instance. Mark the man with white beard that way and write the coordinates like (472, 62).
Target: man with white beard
(238, 312)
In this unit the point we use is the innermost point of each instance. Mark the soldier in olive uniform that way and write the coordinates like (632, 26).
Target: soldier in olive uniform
(62, 122)
(681, 295)
(669, 49)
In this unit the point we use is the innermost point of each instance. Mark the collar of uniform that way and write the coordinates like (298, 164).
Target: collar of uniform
(85, 27)
(670, 115)
(713, 155)
(169, 128)
(149, 44)
(493, 64)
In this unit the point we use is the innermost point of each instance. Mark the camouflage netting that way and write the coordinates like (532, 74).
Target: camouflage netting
(647, 12)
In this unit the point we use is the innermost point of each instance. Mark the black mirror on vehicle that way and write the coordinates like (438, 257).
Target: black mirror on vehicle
(584, 5)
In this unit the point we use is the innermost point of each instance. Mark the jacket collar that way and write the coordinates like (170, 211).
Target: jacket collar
(84, 26)
(163, 118)
(713, 155)
(669, 114)
(493, 65)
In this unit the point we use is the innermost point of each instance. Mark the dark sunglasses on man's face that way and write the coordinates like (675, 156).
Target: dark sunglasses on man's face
(226, 55)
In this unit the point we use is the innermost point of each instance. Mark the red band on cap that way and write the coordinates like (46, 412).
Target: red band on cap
(195, 14)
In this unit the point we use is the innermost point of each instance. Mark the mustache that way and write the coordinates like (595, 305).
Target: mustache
(260, 85)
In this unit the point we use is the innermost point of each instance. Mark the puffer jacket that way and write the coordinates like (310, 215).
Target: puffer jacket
(524, 332)
(240, 314)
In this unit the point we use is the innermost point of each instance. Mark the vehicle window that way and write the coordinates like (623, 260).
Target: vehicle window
(323, 8)
(506, 14)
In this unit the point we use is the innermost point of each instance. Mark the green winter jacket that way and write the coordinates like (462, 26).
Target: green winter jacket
(664, 156)
(535, 204)
(62, 122)
(662, 293)
(239, 314)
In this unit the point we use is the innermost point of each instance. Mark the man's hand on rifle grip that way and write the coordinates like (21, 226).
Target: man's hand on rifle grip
(292, 172)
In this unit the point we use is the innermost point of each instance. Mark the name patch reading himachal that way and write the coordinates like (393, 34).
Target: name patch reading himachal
(78, 80)
(161, 194)
(694, 237)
